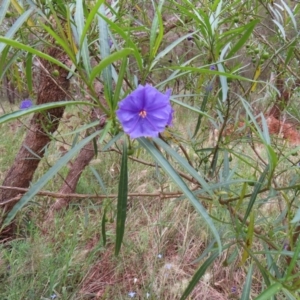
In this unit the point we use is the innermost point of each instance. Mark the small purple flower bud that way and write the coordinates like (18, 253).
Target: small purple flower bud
(26, 104)
(213, 68)
(209, 88)
(189, 38)
(233, 289)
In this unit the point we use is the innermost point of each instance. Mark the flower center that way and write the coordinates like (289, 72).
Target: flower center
(143, 114)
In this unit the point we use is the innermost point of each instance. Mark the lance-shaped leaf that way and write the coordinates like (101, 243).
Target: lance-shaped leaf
(181, 184)
(122, 200)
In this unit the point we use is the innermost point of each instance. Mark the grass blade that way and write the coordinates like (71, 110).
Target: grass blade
(28, 71)
(29, 49)
(109, 60)
(3, 9)
(269, 292)
(122, 200)
(39, 108)
(103, 228)
(257, 188)
(183, 162)
(79, 21)
(202, 108)
(16, 26)
(248, 30)
(198, 275)
(105, 52)
(247, 286)
(294, 260)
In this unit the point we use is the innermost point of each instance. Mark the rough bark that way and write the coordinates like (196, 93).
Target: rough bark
(42, 125)
(82, 160)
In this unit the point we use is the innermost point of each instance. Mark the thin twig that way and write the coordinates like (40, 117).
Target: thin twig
(84, 196)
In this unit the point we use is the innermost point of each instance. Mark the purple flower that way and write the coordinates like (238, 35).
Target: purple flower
(145, 112)
(26, 104)
(213, 68)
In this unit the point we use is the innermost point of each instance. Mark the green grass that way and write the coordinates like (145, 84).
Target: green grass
(165, 240)
(163, 237)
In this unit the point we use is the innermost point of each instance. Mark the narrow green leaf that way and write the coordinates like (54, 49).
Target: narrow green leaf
(191, 108)
(156, 24)
(290, 13)
(16, 26)
(3, 9)
(265, 130)
(106, 130)
(202, 108)
(36, 187)
(99, 179)
(207, 250)
(293, 261)
(89, 20)
(26, 48)
(105, 52)
(244, 38)
(280, 27)
(119, 84)
(204, 70)
(122, 200)
(38, 108)
(109, 60)
(271, 291)
(197, 276)
(4, 61)
(290, 51)
(272, 156)
(81, 128)
(103, 229)
(223, 81)
(271, 262)
(28, 70)
(181, 184)
(289, 295)
(168, 49)
(247, 285)
(112, 141)
(160, 35)
(215, 5)
(296, 218)
(183, 162)
(79, 21)
(129, 42)
(257, 188)
(60, 41)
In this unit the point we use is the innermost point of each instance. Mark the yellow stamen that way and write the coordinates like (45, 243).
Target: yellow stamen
(143, 114)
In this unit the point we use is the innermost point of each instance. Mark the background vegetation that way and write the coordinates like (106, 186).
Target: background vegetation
(209, 210)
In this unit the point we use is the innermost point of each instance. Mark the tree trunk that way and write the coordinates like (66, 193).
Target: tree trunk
(82, 160)
(42, 125)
